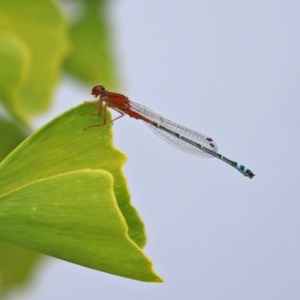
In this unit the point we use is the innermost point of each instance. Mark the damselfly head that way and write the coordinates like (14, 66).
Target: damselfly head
(97, 90)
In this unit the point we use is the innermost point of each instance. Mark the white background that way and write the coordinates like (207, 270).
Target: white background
(229, 69)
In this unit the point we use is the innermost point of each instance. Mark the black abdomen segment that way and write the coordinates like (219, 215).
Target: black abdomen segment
(244, 170)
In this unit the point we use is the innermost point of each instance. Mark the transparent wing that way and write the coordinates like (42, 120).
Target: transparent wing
(189, 134)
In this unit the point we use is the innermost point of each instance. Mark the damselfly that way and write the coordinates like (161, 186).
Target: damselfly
(179, 136)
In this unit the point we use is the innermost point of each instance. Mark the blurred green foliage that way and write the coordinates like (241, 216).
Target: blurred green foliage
(39, 41)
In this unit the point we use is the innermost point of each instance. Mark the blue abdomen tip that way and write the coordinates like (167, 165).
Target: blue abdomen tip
(241, 167)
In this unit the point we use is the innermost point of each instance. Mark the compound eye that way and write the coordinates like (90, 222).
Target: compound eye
(97, 90)
(101, 87)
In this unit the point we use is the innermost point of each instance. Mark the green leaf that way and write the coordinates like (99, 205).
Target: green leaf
(63, 193)
(13, 69)
(11, 136)
(41, 30)
(91, 56)
(15, 265)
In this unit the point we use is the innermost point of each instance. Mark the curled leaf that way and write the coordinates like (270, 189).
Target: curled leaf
(63, 193)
